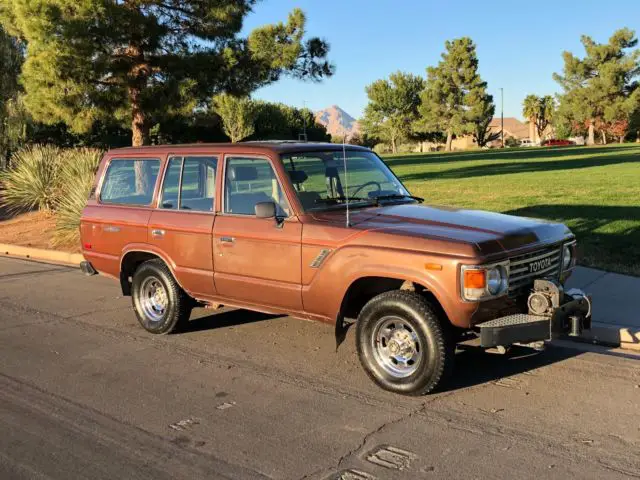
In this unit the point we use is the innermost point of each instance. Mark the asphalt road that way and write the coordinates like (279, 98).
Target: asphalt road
(86, 393)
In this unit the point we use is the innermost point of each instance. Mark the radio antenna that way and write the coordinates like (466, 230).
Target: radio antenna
(346, 175)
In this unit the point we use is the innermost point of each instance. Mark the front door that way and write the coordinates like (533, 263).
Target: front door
(257, 260)
(182, 224)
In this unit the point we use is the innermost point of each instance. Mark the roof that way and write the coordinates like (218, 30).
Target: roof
(277, 146)
(512, 126)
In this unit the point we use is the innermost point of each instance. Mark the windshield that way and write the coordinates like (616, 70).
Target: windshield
(320, 181)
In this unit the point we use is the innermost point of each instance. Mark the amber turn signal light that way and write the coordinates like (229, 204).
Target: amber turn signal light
(475, 279)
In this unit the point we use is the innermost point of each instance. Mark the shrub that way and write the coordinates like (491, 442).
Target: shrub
(511, 142)
(30, 183)
(75, 178)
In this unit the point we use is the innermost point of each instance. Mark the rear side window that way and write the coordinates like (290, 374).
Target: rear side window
(189, 184)
(130, 181)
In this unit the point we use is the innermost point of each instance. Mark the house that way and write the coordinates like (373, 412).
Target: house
(513, 128)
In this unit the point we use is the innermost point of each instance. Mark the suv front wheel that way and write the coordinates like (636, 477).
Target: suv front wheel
(402, 344)
(160, 304)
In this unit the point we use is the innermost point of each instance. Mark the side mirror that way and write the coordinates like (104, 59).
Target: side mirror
(265, 210)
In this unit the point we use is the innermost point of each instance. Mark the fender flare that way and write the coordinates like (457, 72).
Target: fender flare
(150, 249)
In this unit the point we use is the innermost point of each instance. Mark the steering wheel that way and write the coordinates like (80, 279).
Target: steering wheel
(372, 182)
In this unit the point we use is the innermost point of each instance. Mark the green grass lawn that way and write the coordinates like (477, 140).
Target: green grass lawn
(594, 190)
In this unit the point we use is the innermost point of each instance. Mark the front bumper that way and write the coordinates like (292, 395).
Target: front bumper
(570, 318)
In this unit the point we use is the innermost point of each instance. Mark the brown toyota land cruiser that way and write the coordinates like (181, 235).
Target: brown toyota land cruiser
(326, 232)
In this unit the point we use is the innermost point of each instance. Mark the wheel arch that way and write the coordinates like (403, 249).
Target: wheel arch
(135, 256)
(364, 288)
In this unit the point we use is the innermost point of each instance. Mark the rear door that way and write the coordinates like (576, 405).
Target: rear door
(182, 224)
(121, 213)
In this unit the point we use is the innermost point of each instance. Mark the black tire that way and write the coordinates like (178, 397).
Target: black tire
(433, 345)
(178, 304)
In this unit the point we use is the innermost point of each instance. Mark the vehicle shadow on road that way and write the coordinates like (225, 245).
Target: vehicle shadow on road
(474, 366)
(225, 318)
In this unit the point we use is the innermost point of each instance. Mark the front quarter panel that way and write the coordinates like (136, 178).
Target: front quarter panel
(325, 285)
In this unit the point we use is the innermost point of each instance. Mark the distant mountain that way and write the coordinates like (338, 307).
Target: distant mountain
(337, 121)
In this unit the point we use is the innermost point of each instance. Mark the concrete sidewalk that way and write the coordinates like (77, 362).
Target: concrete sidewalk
(616, 305)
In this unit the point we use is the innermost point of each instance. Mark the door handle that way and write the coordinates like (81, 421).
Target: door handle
(227, 239)
(157, 233)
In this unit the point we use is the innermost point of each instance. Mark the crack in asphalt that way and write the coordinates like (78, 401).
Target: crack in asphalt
(402, 418)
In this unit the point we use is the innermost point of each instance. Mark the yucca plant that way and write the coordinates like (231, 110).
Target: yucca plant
(75, 178)
(31, 183)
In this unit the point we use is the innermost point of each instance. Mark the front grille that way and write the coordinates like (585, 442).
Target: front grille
(521, 276)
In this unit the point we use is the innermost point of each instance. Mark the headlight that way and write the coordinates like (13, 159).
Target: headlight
(567, 257)
(494, 280)
(483, 282)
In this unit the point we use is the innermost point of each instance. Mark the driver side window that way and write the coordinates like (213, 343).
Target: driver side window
(249, 181)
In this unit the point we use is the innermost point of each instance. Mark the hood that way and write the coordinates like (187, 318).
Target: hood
(490, 232)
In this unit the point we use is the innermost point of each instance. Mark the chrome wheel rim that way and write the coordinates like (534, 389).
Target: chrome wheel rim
(153, 299)
(396, 346)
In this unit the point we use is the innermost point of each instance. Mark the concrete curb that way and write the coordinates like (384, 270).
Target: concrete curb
(616, 335)
(601, 333)
(53, 256)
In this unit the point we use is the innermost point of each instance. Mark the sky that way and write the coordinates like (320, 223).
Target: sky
(519, 44)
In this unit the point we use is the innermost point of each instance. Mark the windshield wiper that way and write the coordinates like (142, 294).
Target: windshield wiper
(341, 202)
(397, 196)
(337, 200)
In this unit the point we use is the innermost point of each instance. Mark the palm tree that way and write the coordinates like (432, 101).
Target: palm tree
(530, 110)
(546, 112)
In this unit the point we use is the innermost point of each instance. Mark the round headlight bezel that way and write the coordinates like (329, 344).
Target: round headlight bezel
(567, 257)
(495, 280)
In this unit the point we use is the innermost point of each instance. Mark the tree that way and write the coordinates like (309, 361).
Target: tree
(145, 60)
(455, 99)
(530, 112)
(392, 108)
(480, 113)
(11, 58)
(483, 134)
(546, 114)
(540, 112)
(238, 115)
(284, 122)
(602, 86)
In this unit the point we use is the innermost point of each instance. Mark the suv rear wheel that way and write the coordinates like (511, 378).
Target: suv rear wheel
(402, 344)
(160, 304)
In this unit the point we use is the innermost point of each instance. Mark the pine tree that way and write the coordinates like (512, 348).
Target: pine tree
(602, 87)
(392, 108)
(480, 111)
(455, 99)
(143, 60)
(11, 58)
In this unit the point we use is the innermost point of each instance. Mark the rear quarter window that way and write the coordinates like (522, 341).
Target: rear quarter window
(130, 181)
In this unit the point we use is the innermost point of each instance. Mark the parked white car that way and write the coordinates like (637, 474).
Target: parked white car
(525, 142)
